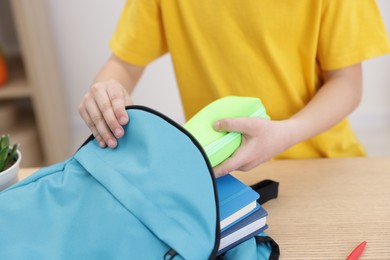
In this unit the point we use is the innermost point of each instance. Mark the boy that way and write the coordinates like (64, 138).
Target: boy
(301, 58)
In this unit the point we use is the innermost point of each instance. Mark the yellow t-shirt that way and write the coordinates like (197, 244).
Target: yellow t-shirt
(274, 50)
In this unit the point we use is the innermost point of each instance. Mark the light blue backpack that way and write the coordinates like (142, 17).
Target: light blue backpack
(153, 197)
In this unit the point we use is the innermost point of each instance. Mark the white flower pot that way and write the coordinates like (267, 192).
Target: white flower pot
(10, 176)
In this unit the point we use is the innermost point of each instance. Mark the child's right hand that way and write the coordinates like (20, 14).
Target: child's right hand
(103, 110)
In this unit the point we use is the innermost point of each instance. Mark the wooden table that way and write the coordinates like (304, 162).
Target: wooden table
(326, 207)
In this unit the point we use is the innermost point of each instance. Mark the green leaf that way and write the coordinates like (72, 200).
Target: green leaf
(4, 142)
(13, 151)
(3, 154)
(11, 156)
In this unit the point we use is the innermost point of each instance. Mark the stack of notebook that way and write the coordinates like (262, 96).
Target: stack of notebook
(241, 217)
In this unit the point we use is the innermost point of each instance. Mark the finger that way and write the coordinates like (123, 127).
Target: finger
(240, 125)
(100, 124)
(235, 162)
(98, 138)
(103, 102)
(87, 119)
(119, 99)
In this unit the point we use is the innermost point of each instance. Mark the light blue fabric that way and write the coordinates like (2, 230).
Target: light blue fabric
(250, 250)
(153, 192)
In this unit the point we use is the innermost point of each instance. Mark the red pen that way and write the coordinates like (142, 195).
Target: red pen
(354, 255)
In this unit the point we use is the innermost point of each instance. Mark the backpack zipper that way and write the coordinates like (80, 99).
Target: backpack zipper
(171, 253)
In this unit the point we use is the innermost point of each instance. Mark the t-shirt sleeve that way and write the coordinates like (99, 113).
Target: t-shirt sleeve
(139, 36)
(351, 32)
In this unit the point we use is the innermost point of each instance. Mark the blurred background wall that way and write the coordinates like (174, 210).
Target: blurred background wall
(82, 29)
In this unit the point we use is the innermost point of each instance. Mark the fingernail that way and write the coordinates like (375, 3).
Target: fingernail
(123, 120)
(102, 144)
(111, 143)
(118, 132)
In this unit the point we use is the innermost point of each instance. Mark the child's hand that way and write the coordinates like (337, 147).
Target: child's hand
(262, 140)
(103, 110)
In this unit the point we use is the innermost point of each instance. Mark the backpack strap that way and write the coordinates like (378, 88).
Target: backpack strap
(275, 251)
(268, 189)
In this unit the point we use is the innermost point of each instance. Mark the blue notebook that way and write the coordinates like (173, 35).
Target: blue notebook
(249, 236)
(236, 200)
(244, 216)
(248, 227)
(256, 219)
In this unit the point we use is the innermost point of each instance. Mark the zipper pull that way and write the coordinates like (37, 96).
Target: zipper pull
(170, 254)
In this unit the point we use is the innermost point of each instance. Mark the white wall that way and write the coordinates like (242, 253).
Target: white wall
(82, 30)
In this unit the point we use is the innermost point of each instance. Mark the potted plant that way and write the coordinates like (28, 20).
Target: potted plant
(10, 158)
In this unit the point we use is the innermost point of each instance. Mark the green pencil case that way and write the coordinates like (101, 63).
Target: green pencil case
(221, 145)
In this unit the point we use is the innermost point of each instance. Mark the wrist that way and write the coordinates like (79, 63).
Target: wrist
(294, 132)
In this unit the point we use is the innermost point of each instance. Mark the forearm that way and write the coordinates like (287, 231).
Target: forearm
(125, 74)
(264, 139)
(335, 100)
